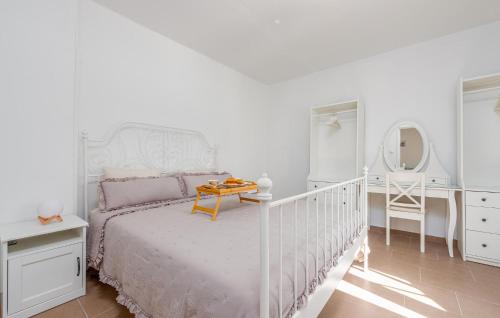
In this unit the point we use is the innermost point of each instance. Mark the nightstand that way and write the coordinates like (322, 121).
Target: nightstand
(42, 265)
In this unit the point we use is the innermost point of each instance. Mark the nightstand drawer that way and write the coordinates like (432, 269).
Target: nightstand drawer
(483, 219)
(38, 277)
(484, 199)
(484, 245)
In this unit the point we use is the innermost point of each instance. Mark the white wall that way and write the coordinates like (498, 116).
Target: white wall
(129, 73)
(72, 65)
(416, 83)
(37, 49)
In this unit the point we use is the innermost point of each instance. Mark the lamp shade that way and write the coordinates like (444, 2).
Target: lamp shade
(50, 208)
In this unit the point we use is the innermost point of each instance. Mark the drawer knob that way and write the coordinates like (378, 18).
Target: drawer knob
(378, 178)
(433, 180)
(315, 185)
(483, 199)
(483, 219)
(484, 245)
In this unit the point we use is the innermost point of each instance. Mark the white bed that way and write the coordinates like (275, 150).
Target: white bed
(265, 272)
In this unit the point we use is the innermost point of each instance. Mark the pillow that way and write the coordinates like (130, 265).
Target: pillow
(119, 193)
(115, 173)
(192, 180)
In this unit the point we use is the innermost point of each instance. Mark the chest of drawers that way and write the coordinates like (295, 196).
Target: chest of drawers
(482, 227)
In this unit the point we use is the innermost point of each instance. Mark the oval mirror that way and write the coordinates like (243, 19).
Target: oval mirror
(405, 147)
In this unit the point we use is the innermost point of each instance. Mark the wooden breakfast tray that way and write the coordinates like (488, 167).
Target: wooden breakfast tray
(220, 191)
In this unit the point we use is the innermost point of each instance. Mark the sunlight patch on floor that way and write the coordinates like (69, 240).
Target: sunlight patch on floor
(376, 300)
(377, 277)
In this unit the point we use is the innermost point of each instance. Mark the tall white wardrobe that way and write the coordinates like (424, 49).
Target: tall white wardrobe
(479, 168)
(336, 143)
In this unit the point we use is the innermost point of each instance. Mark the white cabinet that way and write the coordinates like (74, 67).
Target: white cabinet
(42, 265)
(336, 142)
(479, 168)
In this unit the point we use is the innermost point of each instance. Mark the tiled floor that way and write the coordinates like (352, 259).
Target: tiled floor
(401, 282)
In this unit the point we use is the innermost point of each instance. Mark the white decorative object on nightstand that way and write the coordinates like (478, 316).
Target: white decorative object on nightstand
(42, 265)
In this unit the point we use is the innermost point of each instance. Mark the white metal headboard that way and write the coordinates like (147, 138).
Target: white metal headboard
(139, 145)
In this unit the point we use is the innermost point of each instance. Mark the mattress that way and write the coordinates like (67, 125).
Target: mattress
(166, 262)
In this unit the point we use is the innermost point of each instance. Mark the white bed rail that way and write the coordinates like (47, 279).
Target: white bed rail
(347, 217)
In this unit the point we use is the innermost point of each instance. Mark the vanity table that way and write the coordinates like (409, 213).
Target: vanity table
(406, 148)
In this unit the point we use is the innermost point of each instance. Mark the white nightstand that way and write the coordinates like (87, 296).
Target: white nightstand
(42, 265)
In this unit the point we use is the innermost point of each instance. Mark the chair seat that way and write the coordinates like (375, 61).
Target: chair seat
(403, 209)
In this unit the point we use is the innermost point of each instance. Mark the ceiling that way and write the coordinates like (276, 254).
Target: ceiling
(276, 40)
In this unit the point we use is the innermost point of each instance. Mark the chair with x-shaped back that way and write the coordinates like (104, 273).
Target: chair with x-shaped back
(405, 199)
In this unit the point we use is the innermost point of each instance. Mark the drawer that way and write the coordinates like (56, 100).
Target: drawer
(314, 185)
(376, 179)
(436, 181)
(484, 199)
(483, 219)
(38, 277)
(485, 245)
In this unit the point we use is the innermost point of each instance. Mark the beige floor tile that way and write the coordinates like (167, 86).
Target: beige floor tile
(379, 286)
(118, 311)
(69, 309)
(474, 307)
(399, 241)
(423, 310)
(431, 262)
(413, 253)
(433, 302)
(345, 308)
(482, 290)
(477, 268)
(398, 270)
(484, 273)
(100, 297)
(446, 280)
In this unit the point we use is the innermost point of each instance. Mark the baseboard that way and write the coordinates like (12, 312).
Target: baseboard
(428, 238)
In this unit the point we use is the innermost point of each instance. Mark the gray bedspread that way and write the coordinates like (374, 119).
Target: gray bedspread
(166, 262)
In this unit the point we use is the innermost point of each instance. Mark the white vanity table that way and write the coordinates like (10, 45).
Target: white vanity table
(406, 147)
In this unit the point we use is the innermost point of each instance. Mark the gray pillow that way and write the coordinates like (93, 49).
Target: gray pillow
(196, 179)
(119, 193)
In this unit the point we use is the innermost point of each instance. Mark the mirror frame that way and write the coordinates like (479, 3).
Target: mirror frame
(425, 144)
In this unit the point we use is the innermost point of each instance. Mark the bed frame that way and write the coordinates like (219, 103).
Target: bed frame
(138, 145)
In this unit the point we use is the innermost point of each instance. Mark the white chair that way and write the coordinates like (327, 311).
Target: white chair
(405, 189)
